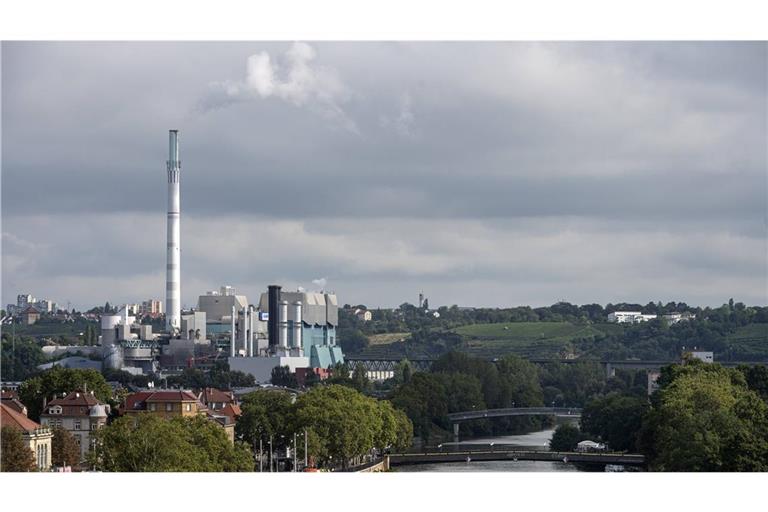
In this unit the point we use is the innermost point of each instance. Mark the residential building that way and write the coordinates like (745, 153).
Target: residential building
(673, 318)
(30, 315)
(169, 404)
(363, 315)
(631, 317)
(303, 373)
(80, 413)
(152, 307)
(11, 399)
(163, 403)
(36, 436)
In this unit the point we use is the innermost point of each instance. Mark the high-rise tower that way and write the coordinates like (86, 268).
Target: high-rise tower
(173, 269)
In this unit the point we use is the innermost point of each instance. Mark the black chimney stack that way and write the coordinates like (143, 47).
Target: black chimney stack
(274, 315)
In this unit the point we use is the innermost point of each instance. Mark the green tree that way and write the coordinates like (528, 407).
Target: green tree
(343, 424)
(20, 358)
(519, 383)
(424, 400)
(565, 438)
(403, 372)
(404, 437)
(58, 381)
(282, 376)
(360, 378)
(704, 419)
(16, 455)
(266, 413)
(616, 419)
(757, 379)
(64, 449)
(147, 443)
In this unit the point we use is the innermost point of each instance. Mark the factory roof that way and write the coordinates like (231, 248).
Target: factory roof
(318, 308)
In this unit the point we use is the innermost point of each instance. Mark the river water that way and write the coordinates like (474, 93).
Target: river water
(538, 440)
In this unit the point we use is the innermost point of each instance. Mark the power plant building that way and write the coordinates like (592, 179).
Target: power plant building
(301, 328)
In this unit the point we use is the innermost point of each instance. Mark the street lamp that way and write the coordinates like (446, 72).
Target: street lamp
(271, 453)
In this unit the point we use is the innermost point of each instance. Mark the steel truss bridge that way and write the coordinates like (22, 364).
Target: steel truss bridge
(387, 364)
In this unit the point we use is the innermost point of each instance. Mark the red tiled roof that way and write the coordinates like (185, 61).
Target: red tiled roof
(172, 396)
(230, 410)
(215, 395)
(16, 420)
(7, 394)
(76, 398)
(137, 401)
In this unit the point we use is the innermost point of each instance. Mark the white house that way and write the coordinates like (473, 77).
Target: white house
(629, 317)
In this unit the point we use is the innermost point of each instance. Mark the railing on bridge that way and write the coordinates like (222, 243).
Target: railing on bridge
(456, 417)
(387, 364)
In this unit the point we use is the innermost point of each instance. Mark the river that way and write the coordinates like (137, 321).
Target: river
(538, 439)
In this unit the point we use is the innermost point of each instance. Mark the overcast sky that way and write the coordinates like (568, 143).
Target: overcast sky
(485, 174)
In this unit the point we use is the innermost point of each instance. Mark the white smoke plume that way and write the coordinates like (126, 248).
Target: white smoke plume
(294, 77)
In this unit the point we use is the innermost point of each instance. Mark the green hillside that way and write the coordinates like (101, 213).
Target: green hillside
(527, 339)
(749, 342)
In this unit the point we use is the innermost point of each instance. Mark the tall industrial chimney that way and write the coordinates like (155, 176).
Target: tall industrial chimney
(274, 315)
(173, 269)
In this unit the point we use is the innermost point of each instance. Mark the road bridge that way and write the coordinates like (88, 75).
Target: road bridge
(627, 459)
(380, 368)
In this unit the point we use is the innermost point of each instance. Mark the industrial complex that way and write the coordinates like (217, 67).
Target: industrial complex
(296, 329)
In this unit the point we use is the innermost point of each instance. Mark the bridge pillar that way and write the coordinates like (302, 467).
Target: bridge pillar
(455, 432)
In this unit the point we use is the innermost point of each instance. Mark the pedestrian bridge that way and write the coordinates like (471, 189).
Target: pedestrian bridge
(567, 412)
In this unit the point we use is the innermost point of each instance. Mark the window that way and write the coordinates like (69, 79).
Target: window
(169, 407)
(151, 407)
(94, 425)
(78, 425)
(77, 439)
(189, 407)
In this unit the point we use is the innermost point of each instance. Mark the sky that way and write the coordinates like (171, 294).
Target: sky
(485, 174)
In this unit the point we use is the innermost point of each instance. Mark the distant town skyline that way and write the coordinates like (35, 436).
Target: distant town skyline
(484, 174)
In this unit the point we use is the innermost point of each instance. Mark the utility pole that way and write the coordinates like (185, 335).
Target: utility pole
(271, 453)
(261, 457)
(305, 449)
(294, 452)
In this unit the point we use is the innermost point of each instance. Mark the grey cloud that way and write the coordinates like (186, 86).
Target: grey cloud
(657, 149)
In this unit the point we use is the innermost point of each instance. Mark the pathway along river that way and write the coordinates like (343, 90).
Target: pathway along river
(534, 439)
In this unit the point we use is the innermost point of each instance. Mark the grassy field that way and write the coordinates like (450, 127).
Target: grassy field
(386, 338)
(527, 339)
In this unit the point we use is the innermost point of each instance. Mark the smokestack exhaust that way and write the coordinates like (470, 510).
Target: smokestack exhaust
(173, 268)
